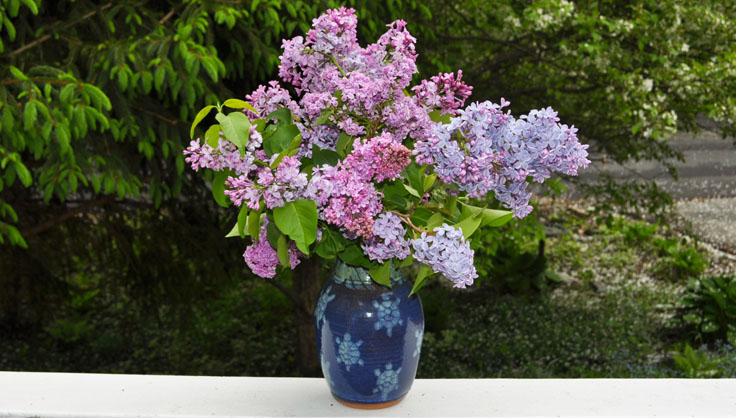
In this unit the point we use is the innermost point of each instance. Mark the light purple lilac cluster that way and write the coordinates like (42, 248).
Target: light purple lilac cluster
(486, 149)
(225, 157)
(448, 253)
(262, 259)
(388, 239)
(286, 184)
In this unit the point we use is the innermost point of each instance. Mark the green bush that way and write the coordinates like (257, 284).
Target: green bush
(709, 307)
(679, 260)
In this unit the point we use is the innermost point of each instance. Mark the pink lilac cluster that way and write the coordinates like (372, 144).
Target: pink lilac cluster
(286, 184)
(267, 99)
(345, 199)
(448, 253)
(379, 158)
(388, 239)
(371, 80)
(262, 259)
(225, 157)
(486, 149)
(444, 92)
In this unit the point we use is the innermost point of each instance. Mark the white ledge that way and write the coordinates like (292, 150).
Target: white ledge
(104, 395)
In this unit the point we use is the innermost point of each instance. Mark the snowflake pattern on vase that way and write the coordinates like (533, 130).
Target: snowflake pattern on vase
(319, 312)
(420, 336)
(348, 352)
(388, 314)
(387, 381)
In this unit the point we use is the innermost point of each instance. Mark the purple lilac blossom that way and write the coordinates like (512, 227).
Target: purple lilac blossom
(444, 92)
(448, 253)
(286, 184)
(225, 157)
(497, 152)
(267, 99)
(351, 203)
(262, 259)
(388, 239)
(379, 158)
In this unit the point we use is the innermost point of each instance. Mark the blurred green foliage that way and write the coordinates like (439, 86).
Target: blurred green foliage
(709, 307)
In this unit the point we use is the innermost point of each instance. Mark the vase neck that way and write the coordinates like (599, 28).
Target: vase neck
(357, 275)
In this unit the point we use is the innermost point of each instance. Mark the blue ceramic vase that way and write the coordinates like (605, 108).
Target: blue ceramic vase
(369, 337)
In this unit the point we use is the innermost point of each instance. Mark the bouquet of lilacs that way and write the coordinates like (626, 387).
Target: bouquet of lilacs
(361, 166)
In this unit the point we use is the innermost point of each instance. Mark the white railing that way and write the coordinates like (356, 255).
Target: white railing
(104, 395)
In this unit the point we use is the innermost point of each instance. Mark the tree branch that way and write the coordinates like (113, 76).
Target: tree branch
(168, 15)
(156, 115)
(66, 216)
(288, 293)
(49, 35)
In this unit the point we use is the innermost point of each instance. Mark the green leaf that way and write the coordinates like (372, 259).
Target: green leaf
(429, 182)
(415, 174)
(421, 216)
(254, 224)
(437, 116)
(29, 115)
(354, 256)
(233, 232)
(491, 217)
(283, 115)
(212, 136)
(324, 156)
(218, 188)
(345, 144)
(147, 80)
(324, 117)
(98, 96)
(283, 251)
(31, 5)
(242, 220)
(395, 201)
(298, 220)
(382, 273)
(435, 220)
(273, 234)
(280, 140)
(331, 244)
(23, 174)
(407, 261)
(469, 226)
(425, 272)
(200, 115)
(412, 191)
(158, 78)
(236, 128)
(239, 104)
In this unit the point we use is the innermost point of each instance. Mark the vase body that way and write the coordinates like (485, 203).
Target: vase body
(369, 336)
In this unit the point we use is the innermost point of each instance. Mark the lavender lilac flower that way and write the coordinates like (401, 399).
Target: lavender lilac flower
(448, 253)
(388, 239)
(484, 149)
